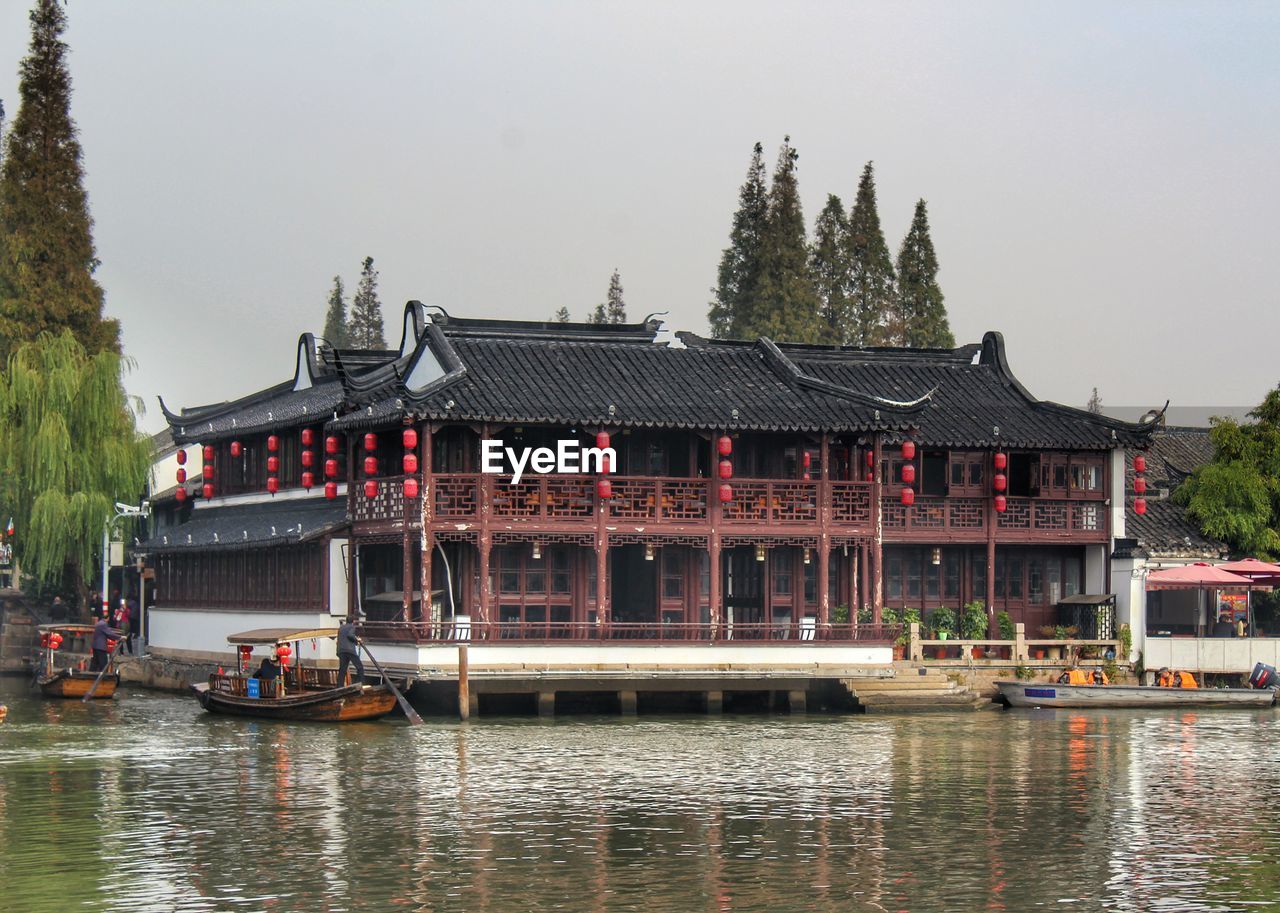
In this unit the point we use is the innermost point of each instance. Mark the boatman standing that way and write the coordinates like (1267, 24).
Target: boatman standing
(102, 633)
(349, 652)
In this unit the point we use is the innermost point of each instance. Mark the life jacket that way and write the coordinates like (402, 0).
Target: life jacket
(1164, 680)
(1185, 680)
(1073, 677)
(1100, 677)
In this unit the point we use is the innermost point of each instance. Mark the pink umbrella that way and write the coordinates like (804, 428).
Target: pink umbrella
(1251, 567)
(1196, 576)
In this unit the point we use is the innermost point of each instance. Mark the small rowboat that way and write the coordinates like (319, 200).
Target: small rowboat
(1050, 694)
(71, 682)
(299, 693)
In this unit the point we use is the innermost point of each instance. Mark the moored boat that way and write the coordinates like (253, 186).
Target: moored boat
(1052, 694)
(74, 681)
(297, 692)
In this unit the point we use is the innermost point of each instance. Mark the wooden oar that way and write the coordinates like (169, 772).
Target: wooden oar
(94, 687)
(409, 712)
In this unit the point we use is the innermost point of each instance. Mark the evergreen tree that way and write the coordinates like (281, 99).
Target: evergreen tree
(600, 315)
(335, 319)
(365, 330)
(871, 276)
(55, 397)
(785, 303)
(1095, 402)
(829, 266)
(615, 307)
(918, 317)
(47, 257)
(561, 316)
(740, 263)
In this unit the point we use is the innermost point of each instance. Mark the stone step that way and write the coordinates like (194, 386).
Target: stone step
(898, 684)
(973, 705)
(918, 697)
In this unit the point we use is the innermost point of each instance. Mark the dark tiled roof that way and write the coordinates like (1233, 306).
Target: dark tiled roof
(1165, 530)
(278, 407)
(279, 522)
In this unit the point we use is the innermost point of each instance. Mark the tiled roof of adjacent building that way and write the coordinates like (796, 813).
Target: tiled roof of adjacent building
(1165, 530)
(281, 522)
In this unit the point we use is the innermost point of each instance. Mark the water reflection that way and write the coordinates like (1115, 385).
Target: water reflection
(145, 804)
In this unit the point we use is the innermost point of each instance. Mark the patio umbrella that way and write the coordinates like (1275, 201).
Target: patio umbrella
(1198, 576)
(1256, 570)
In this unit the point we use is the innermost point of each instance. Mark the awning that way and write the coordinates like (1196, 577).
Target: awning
(260, 636)
(1088, 599)
(1251, 568)
(1198, 576)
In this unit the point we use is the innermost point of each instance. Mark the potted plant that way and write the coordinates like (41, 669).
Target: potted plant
(890, 617)
(973, 624)
(1007, 632)
(943, 622)
(1040, 652)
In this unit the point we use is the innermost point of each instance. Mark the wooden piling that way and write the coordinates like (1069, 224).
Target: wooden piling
(464, 686)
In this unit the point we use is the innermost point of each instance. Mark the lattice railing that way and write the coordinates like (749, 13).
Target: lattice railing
(387, 505)
(456, 496)
(850, 503)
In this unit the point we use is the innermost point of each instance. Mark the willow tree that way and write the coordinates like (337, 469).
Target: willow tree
(69, 449)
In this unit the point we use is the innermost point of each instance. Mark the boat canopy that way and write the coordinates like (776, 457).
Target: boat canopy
(260, 636)
(66, 629)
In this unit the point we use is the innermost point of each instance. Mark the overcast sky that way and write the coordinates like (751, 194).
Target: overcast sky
(1101, 179)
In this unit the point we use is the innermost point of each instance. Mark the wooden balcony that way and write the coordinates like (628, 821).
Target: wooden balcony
(965, 520)
(654, 500)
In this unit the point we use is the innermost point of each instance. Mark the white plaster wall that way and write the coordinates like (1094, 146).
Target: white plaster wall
(1118, 465)
(339, 554)
(669, 656)
(1212, 654)
(1095, 568)
(206, 630)
(1128, 584)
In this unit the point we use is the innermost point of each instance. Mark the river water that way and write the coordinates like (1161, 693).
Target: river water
(146, 803)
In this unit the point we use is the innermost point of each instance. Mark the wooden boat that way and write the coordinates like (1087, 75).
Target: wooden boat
(73, 682)
(1051, 694)
(4, 712)
(299, 693)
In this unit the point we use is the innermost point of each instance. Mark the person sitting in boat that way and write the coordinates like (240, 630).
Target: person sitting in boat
(269, 671)
(1164, 679)
(1184, 680)
(1073, 676)
(1100, 677)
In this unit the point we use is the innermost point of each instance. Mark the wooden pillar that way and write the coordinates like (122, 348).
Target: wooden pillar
(427, 508)
(352, 579)
(862, 567)
(824, 535)
(546, 704)
(877, 545)
(990, 595)
(484, 543)
(715, 701)
(464, 684)
(824, 594)
(602, 579)
(716, 597)
(627, 701)
(796, 700)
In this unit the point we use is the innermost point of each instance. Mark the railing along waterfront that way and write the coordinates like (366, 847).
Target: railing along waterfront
(1048, 652)
(506, 632)
(967, 517)
(652, 499)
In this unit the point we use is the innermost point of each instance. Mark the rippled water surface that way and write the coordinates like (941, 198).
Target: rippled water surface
(147, 803)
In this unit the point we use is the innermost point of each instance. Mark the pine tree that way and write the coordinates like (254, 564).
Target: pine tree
(335, 319)
(740, 263)
(55, 397)
(365, 331)
(615, 307)
(561, 316)
(785, 303)
(1095, 402)
(919, 315)
(47, 257)
(829, 266)
(600, 315)
(871, 267)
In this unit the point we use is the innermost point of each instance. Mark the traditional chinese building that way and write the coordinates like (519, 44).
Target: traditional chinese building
(762, 492)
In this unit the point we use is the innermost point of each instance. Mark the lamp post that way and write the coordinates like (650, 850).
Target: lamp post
(122, 510)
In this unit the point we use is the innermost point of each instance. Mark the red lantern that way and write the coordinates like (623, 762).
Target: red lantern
(726, 469)
(371, 466)
(807, 460)
(273, 464)
(411, 487)
(308, 458)
(602, 439)
(208, 490)
(604, 488)
(1001, 461)
(1001, 504)
(1140, 485)
(55, 640)
(371, 489)
(726, 493)
(182, 475)
(724, 446)
(273, 443)
(908, 497)
(871, 476)
(1139, 506)
(870, 459)
(807, 477)
(330, 490)
(1139, 463)
(236, 448)
(180, 495)
(283, 650)
(308, 437)
(331, 444)
(606, 464)
(409, 438)
(208, 453)
(208, 470)
(111, 646)
(410, 463)
(908, 450)
(273, 484)
(908, 473)
(308, 480)
(182, 458)
(370, 441)
(331, 468)
(999, 481)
